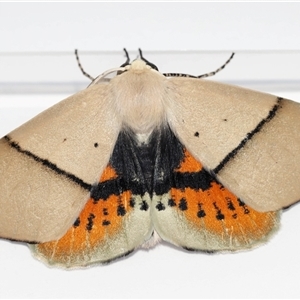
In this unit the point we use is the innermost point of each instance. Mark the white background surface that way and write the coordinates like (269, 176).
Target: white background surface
(37, 41)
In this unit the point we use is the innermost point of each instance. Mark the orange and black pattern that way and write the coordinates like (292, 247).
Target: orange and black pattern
(100, 220)
(215, 209)
(162, 166)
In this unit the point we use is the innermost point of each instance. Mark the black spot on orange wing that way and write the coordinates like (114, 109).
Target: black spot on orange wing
(90, 223)
(207, 205)
(201, 212)
(183, 204)
(98, 221)
(230, 205)
(105, 223)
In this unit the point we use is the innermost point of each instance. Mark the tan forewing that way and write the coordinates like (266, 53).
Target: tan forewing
(250, 140)
(48, 165)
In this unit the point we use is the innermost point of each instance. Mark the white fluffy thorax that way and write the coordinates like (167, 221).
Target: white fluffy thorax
(141, 95)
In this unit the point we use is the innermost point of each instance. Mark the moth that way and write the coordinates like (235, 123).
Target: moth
(145, 156)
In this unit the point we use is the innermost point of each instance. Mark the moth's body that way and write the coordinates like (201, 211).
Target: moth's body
(142, 102)
(202, 165)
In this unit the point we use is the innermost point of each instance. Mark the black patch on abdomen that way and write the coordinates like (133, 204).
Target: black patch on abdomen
(149, 167)
(142, 167)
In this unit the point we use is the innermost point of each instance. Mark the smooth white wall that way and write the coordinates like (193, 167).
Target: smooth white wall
(152, 26)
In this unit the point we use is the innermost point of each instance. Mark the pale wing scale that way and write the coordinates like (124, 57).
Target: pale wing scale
(48, 165)
(251, 140)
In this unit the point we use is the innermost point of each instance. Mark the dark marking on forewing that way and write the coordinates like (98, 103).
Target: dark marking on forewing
(249, 136)
(46, 163)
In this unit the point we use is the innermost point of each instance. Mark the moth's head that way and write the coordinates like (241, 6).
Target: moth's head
(138, 66)
(140, 62)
